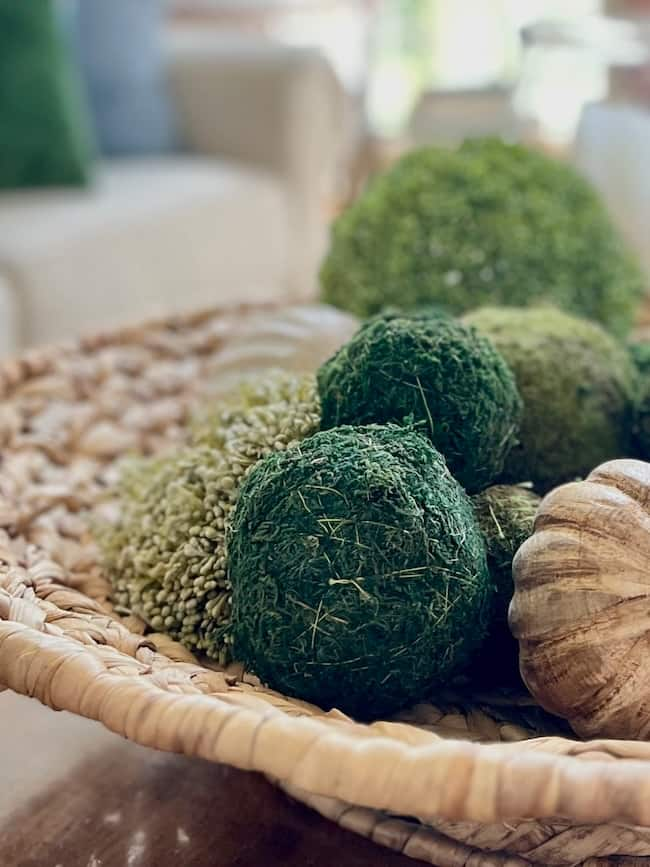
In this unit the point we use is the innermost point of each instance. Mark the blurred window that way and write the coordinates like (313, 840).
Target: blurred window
(464, 44)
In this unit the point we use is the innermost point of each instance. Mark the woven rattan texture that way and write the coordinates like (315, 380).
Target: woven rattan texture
(472, 782)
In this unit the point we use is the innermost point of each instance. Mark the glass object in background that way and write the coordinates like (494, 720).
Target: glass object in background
(632, 83)
(568, 64)
(611, 149)
(586, 87)
(456, 65)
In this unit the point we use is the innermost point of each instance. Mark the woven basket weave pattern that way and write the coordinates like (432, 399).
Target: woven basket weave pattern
(470, 782)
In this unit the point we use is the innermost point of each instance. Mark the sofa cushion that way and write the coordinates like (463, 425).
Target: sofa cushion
(121, 56)
(44, 130)
(154, 236)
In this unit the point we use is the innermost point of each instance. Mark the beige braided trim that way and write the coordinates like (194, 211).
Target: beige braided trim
(56, 645)
(446, 844)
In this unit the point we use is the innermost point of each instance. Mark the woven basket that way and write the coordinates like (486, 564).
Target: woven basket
(475, 781)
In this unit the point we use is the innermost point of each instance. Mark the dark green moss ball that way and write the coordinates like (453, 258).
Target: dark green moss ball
(358, 571)
(490, 223)
(506, 514)
(436, 372)
(578, 387)
(640, 354)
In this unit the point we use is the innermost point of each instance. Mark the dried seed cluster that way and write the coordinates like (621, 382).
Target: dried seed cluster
(166, 554)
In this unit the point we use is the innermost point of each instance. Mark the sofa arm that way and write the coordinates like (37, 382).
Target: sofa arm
(278, 107)
(273, 105)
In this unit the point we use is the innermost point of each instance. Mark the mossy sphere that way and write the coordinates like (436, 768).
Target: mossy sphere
(640, 353)
(578, 388)
(436, 372)
(506, 514)
(358, 571)
(490, 223)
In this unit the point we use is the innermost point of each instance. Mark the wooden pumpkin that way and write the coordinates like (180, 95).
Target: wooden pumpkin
(581, 607)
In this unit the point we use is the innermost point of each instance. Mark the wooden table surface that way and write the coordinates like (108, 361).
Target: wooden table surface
(74, 795)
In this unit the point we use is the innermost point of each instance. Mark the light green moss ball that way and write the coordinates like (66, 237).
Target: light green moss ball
(640, 354)
(490, 223)
(506, 515)
(578, 386)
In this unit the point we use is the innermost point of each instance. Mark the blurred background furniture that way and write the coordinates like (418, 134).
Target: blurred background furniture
(285, 109)
(604, 125)
(240, 214)
(344, 30)
(453, 115)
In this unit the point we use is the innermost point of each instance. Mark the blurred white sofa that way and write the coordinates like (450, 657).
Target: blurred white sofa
(239, 215)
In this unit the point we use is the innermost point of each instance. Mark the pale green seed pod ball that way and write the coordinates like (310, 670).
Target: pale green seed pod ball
(166, 555)
(277, 408)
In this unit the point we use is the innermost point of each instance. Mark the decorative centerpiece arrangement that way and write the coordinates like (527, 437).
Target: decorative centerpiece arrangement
(369, 537)
(349, 536)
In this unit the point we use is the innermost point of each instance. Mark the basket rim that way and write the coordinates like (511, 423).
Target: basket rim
(543, 778)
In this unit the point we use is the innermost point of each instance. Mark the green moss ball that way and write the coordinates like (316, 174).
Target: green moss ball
(640, 354)
(358, 570)
(489, 223)
(436, 372)
(578, 388)
(506, 514)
